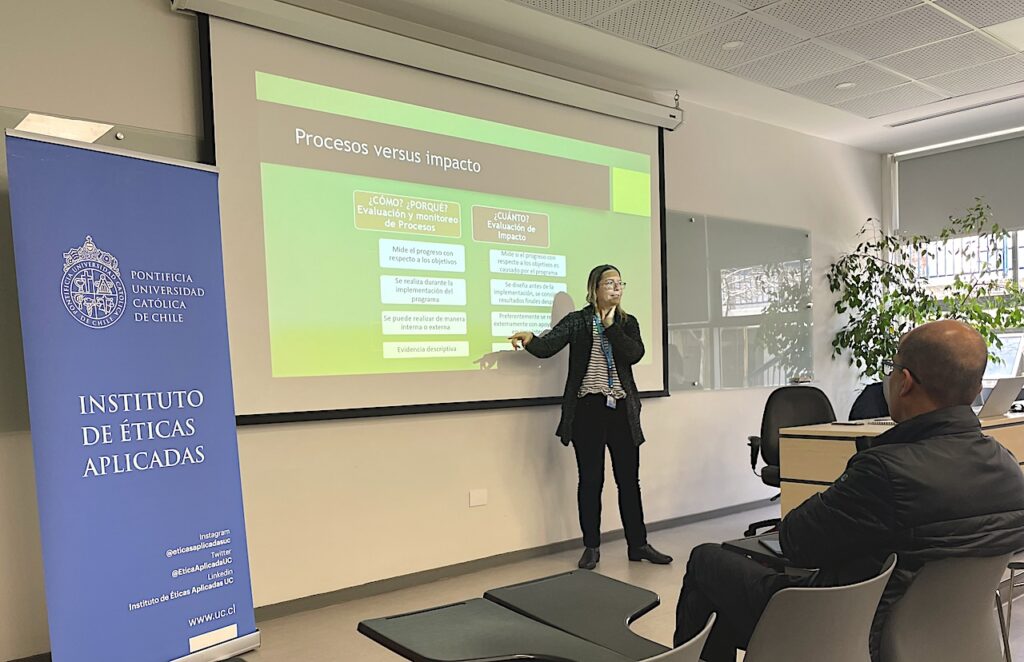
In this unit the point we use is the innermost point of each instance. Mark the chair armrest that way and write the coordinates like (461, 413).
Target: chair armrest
(755, 448)
(769, 525)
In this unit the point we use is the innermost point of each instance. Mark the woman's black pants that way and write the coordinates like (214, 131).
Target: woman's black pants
(596, 426)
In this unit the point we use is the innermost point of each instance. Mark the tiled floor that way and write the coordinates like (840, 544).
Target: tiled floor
(329, 634)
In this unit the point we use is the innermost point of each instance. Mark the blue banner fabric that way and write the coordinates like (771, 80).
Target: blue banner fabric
(121, 293)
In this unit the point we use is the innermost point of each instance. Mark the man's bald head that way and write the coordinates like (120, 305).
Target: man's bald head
(948, 358)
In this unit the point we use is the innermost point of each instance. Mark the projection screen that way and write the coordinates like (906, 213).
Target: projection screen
(386, 228)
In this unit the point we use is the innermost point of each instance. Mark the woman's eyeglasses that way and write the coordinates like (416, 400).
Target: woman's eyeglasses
(613, 284)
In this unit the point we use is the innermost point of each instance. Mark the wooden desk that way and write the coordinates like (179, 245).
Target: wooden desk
(813, 456)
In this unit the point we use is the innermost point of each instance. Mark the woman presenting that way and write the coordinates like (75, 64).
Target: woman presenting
(601, 407)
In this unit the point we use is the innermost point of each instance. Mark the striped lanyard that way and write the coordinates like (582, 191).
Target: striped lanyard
(606, 349)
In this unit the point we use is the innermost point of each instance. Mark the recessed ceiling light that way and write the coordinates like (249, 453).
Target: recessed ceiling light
(732, 45)
(845, 86)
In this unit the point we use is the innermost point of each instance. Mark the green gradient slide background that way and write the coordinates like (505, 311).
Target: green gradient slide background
(312, 96)
(323, 273)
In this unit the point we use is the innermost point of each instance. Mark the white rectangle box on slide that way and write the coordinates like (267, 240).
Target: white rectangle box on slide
(527, 264)
(425, 350)
(506, 323)
(422, 255)
(524, 292)
(400, 322)
(423, 291)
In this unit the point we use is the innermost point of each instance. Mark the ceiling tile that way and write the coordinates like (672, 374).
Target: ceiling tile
(947, 55)
(894, 100)
(794, 65)
(1010, 33)
(984, 13)
(899, 32)
(866, 78)
(659, 22)
(823, 16)
(577, 10)
(758, 38)
(986, 76)
(753, 4)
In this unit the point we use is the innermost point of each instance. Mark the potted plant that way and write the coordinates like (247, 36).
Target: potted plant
(883, 289)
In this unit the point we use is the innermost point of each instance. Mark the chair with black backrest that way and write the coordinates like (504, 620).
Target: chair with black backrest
(870, 403)
(787, 407)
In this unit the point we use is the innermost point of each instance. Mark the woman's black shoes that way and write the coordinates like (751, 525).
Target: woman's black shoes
(646, 553)
(591, 555)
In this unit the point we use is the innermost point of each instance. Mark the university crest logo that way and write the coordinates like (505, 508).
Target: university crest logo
(91, 288)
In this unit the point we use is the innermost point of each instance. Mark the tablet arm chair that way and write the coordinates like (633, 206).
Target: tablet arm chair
(830, 624)
(689, 651)
(948, 614)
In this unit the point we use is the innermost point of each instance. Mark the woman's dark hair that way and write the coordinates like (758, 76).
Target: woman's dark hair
(593, 284)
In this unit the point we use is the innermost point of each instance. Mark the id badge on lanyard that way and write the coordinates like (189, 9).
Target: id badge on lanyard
(606, 349)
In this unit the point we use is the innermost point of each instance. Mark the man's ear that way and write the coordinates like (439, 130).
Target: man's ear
(908, 384)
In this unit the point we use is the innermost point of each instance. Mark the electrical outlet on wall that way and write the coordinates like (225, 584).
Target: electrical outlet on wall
(477, 498)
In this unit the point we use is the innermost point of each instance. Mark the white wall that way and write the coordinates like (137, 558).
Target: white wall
(353, 497)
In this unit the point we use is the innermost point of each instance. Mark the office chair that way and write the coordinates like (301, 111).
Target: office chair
(788, 406)
(870, 403)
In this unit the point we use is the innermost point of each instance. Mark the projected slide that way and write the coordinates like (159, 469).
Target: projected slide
(385, 229)
(401, 238)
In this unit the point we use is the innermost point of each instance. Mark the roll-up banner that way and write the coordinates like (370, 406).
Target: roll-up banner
(121, 294)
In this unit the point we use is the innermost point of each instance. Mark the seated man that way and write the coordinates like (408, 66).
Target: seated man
(931, 487)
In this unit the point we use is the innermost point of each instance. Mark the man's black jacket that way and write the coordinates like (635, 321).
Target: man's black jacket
(577, 330)
(930, 488)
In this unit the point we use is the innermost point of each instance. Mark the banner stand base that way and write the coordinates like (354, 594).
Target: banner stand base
(224, 651)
